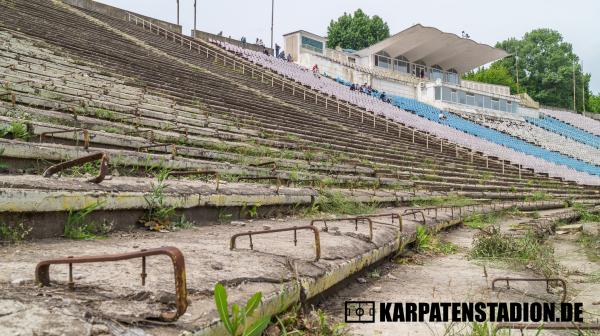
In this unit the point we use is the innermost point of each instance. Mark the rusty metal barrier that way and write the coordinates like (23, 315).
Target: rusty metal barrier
(547, 326)
(414, 212)
(80, 161)
(548, 280)
(350, 219)
(393, 216)
(86, 135)
(295, 229)
(42, 272)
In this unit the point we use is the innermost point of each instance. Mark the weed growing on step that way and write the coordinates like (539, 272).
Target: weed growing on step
(333, 202)
(159, 215)
(521, 251)
(480, 221)
(315, 322)
(585, 215)
(425, 241)
(251, 211)
(591, 244)
(78, 227)
(235, 319)
(87, 169)
(13, 234)
(15, 130)
(539, 196)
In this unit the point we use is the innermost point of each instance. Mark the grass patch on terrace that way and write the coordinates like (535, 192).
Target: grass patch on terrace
(335, 202)
(527, 251)
(427, 242)
(451, 200)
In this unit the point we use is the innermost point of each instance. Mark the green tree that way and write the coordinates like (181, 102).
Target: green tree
(356, 31)
(545, 66)
(594, 103)
(495, 74)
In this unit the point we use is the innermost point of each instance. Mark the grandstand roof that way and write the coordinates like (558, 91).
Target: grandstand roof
(433, 46)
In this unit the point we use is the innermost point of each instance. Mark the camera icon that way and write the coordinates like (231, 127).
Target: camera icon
(360, 312)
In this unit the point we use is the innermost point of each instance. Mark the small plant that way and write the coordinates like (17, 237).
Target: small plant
(159, 216)
(77, 227)
(423, 238)
(235, 323)
(538, 196)
(13, 234)
(315, 322)
(15, 130)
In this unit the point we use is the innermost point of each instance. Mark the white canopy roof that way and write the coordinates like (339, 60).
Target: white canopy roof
(433, 46)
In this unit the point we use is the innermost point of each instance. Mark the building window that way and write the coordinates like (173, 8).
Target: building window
(401, 64)
(462, 97)
(495, 104)
(452, 76)
(437, 73)
(503, 105)
(312, 44)
(446, 94)
(479, 100)
(487, 102)
(470, 99)
(383, 60)
(438, 93)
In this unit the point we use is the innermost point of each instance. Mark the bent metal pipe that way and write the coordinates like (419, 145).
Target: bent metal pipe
(42, 272)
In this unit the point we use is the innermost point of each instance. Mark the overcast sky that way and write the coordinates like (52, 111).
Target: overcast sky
(577, 20)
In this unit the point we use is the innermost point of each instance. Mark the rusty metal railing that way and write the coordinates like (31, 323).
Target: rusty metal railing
(547, 280)
(42, 272)
(356, 220)
(86, 135)
(80, 161)
(294, 228)
(393, 216)
(414, 212)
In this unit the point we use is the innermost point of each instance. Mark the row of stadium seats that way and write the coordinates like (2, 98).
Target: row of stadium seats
(432, 113)
(538, 136)
(524, 155)
(566, 130)
(587, 124)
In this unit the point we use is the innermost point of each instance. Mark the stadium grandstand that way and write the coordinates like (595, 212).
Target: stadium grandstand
(118, 125)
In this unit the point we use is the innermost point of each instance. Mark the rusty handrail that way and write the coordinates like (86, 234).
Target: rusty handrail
(86, 135)
(414, 212)
(393, 216)
(547, 280)
(42, 272)
(78, 162)
(294, 228)
(355, 219)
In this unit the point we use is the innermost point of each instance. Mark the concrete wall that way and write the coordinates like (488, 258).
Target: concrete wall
(205, 36)
(120, 13)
